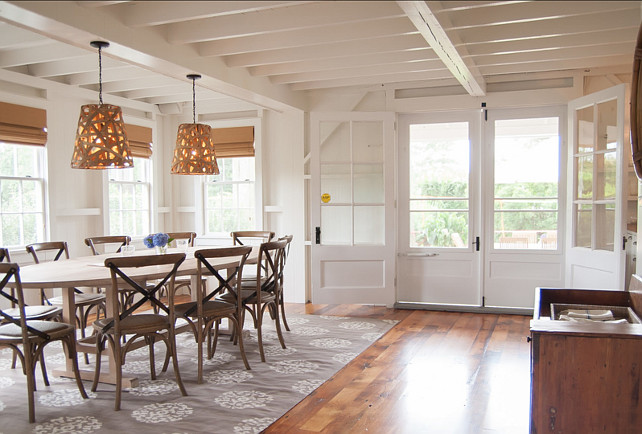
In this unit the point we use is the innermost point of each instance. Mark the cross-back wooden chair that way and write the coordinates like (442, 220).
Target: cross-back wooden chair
(207, 311)
(284, 257)
(99, 245)
(28, 338)
(146, 326)
(262, 293)
(251, 238)
(84, 301)
(183, 281)
(112, 244)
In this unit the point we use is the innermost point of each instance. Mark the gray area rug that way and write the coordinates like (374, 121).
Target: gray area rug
(231, 399)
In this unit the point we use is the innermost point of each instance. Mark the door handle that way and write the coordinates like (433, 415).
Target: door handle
(317, 231)
(476, 244)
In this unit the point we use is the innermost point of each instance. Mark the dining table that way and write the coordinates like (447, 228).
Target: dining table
(90, 271)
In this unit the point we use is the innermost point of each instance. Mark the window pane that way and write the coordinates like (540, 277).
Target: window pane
(583, 226)
(367, 142)
(505, 204)
(7, 159)
(585, 133)
(368, 183)
(11, 196)
(584, 177)
(606, 169)
(11, 230)
(524, 230)
(336, 180)
(605, 226)
(27, 161)
(607, 125)
(32, 199)
(31, 225)
(439, 229)
(430, 205)
(369, 225)
(336, 224)
(246, 196)
(335, 141)
(439, 160)
(115, 226)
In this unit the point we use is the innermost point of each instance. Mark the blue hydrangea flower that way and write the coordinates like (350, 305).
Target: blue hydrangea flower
(160, 239)
(149, 241)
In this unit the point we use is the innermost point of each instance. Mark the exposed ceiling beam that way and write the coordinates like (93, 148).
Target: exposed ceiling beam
(432, 31)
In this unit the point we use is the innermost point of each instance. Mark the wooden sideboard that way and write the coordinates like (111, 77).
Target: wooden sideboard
(586, 378)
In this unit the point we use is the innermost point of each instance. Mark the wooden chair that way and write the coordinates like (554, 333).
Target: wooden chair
(263, 292)
(107, 241)
(182, 281)
(109, 244)
(251, 238)
(146, 326)
(84, 302)
(28, 338)
(284, 257)
(207, 311)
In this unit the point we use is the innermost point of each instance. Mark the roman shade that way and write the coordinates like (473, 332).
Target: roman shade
(233, 142)
(140, 141)
(23, 125)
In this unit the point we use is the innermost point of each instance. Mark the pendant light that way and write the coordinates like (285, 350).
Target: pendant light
(194, 151)
(101, 140)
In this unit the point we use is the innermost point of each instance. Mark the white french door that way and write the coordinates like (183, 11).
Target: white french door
(352, 208)
(480, 207)
(595, 244)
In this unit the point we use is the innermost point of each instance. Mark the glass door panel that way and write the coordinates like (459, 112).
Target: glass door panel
(585, 134)
(526, 171)
(606, 169)
(335, 141)
(439, 172)
(607, 125)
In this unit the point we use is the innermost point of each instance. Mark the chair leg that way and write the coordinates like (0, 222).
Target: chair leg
(152, 363)
(119, 373)
(282, 304)
(31, 386)
(235, 324)
(70, 343)
(43, 368)
(99, 350)
(277, 323)
(171, 347)
(200, 335)
(259, 333)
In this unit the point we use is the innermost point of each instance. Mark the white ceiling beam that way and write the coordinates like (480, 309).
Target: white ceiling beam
(423, 54)
(308, 37)
(175, 89)
(41, 53)
(154, 13)
(604, 37)
(542, 29)
(374, 80)
(15, 37)
(365, 71)
(100, 4)
(622, 48)
(342, 49)
(87, 63)
(559, 65)
(296, 17)
(67, 22)
(431, 30)
(535, 11)
(109, 74)
(138, 83)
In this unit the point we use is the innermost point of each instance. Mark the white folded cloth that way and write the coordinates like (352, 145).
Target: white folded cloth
(593, 314)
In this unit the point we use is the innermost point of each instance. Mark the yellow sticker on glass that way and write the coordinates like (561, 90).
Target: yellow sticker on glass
(325, 198)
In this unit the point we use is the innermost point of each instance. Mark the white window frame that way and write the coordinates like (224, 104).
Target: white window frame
(43, 180)
(149, 182)
(200, 181)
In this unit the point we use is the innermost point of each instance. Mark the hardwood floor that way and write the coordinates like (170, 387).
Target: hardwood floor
(434, 372)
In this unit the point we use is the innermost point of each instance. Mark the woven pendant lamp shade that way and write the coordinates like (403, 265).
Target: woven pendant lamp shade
(194, 151)
(101, 140)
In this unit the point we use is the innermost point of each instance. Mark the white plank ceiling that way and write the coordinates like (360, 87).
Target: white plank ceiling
(271, 53)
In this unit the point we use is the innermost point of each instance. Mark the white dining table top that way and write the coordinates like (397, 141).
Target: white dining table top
(91, 270)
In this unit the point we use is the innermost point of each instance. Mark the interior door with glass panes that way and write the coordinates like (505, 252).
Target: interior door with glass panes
(596, 246)
(352, 208)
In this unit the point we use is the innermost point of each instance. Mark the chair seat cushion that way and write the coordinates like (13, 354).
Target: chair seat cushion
(84, 298)
(210, 308)
(249, 296)
(141, 323)
(35, 311)
(13, 331)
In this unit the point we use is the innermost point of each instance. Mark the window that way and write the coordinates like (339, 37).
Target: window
(230, 197)
(129, 199)
(22, 197)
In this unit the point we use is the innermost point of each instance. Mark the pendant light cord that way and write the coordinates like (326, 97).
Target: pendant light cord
(100, 76)
(194, 99)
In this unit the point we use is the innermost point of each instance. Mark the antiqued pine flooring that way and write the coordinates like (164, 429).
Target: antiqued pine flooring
(434, 372)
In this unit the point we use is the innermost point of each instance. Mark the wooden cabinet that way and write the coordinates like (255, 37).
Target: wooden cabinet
(585, 378)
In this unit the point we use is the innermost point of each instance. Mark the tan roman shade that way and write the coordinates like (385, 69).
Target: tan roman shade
(140, 141)
(23, 125)
(233, 142)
